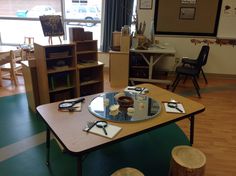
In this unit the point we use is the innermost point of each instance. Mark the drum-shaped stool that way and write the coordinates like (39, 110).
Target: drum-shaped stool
(127, 171)
(187, 161)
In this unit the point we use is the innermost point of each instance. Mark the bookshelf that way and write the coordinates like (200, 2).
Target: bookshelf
(56, 70)
(89, 69)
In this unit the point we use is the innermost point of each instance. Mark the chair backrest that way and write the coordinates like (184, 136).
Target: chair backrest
(203, 55)
(16, 56)
(29, 41)
(202, 58)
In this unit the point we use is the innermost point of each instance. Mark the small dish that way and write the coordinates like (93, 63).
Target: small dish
(125, 101)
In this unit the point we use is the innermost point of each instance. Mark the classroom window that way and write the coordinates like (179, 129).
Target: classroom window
(20, 18)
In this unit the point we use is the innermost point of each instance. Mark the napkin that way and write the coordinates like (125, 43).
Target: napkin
(173, 110)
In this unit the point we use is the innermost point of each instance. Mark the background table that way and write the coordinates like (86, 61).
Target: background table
(154, 55)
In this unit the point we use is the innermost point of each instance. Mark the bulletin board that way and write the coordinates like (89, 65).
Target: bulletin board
(187, 17)
(227, 22)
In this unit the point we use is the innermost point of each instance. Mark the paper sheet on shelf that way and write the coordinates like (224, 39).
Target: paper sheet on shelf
(173, 110)
(112, 131)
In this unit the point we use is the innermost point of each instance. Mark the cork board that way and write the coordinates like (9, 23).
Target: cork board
(187, 17)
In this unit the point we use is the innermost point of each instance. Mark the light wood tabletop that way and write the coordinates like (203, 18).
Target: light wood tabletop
(68, 126)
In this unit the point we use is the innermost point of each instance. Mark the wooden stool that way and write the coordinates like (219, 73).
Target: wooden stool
(187, 161)
(127, 171)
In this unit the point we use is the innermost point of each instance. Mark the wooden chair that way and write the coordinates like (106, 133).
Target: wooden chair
(29, 40)
(10, 70)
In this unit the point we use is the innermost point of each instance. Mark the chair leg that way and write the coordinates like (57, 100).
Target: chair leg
(196, 83)
(204, 76)
(13, 77)
(176, 82)
(185, 79)
(197, 88)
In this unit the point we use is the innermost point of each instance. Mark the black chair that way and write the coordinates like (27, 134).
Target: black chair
(192, 70)
(193, 62)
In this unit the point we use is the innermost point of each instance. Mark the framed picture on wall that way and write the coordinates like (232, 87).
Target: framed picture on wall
(145, 4)
(187, 13)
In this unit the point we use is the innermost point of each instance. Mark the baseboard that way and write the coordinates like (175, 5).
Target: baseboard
(210, 75)
(216, 75)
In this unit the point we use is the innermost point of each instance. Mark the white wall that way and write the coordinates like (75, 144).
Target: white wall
(221, 60)
(104, 58)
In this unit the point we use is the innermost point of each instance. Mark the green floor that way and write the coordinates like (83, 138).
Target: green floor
(150, 152)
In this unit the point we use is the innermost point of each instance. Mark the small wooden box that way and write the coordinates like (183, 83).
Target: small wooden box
(76, 34)
(88, 35)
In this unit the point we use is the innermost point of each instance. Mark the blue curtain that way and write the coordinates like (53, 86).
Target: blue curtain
(117, 14)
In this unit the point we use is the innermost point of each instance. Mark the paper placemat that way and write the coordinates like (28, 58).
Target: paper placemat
(173, 110)
(112, 131)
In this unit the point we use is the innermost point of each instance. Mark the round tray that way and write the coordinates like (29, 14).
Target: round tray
(144, 107)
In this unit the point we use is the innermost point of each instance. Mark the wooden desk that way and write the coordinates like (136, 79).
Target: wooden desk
(68, 127)
(155, 54)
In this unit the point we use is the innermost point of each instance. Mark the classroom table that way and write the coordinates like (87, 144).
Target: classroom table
(67, 127)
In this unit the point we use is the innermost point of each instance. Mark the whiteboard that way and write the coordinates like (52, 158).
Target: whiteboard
(227, 22)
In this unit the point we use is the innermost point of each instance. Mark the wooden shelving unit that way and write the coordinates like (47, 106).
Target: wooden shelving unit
(89, 69)
(68, 70)
(57, 72)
